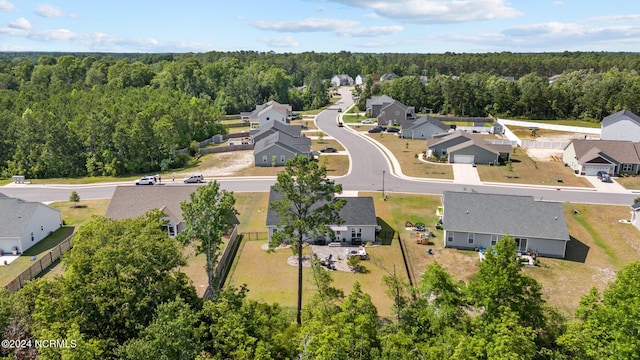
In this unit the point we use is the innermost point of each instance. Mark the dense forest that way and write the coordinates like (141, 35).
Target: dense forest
(67, 115)
(116, 301)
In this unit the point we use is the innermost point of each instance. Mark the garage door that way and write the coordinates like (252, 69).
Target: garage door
(463, 159)
(592, 170)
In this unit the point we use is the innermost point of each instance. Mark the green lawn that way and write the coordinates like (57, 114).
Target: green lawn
(571, 122)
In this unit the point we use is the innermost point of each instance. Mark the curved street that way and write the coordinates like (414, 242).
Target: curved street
(369, 164)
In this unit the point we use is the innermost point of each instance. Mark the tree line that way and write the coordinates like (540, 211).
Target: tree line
(67, 115)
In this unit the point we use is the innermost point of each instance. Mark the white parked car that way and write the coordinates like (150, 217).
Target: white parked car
(146, 180)
(367, 121)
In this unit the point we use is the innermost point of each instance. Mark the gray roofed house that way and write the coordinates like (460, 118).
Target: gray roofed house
(358, 215)
(275, 126)
(266, 113)
(468, 148)
(388, 76)
(282, 146)
(588, 157)
(129, 202)
(424, 128)
(24, 223)
(623, 125)
(341, 80)
(387, 109)
(472, 220)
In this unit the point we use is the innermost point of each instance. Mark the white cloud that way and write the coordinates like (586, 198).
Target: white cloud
(50, 11)
(306, 25)
(280, 42)
(617, 18)
(20, 23)
(6, 6)
(373, 31)
(437, 11)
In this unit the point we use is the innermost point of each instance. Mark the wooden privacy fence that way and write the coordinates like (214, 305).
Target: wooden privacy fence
(225, 262)
(41, 264)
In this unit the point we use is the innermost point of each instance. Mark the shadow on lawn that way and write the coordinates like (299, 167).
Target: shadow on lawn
(576, 250)
(386, 234)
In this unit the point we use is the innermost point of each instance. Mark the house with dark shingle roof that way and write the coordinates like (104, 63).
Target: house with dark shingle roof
(473, 220)
(24, 223)
(273, 127)
(623, 125)
(389, 111)
(359, 222)
(129, 202)
(467, 148)
(424, 128)
(280, 146)
(588, 157)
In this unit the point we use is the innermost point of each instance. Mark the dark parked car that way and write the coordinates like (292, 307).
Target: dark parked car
(601, 174)
(340, 124)
(328, 149)
(606, 178)
(393, 130)
(376, 129)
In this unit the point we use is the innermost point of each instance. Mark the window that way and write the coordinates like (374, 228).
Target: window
(282, 158)
(41, 228)
(264, 159)
(32, 238)
(471, 238)
(626, 168)
(521, 244)
(450, 236)
(356, 233)
(494, 240)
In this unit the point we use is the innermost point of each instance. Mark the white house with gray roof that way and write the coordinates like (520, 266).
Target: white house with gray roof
(267, 113)
(623, 125)
(473, 220)
(588, 157)
(24, 223)
(341, 80)
(358, 226)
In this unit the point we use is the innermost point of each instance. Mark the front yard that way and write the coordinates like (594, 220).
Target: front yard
(524, 170)
(629, 182)
(405, 150)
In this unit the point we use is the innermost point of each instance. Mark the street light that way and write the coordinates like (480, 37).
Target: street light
(383, 184)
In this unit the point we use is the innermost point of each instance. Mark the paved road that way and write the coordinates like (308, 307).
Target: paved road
(367, 163)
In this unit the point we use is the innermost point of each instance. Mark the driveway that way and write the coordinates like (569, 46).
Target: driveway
(612, 187)
(465, 174)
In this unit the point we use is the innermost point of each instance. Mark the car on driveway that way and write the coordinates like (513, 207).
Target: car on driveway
(328, 149)
(376, 129)
(393, 130)
(600, 174)
(367, 121)
(606, 178)
(146, 180)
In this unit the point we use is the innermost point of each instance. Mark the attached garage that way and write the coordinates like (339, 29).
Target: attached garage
(592, 170)
(464, 159)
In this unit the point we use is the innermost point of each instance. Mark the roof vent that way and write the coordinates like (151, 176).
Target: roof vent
(556, 218)
(467, 211)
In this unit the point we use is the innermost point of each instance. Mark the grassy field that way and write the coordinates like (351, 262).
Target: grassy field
(524, 170)
(524, 133)
(630, 182)
(405, 151)
(83, 212)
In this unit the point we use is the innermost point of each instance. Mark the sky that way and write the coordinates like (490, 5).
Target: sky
(294, 26)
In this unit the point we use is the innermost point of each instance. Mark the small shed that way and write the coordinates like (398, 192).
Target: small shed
(217, 139)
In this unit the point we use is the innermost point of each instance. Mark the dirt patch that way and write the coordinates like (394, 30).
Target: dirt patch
(229, 163)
